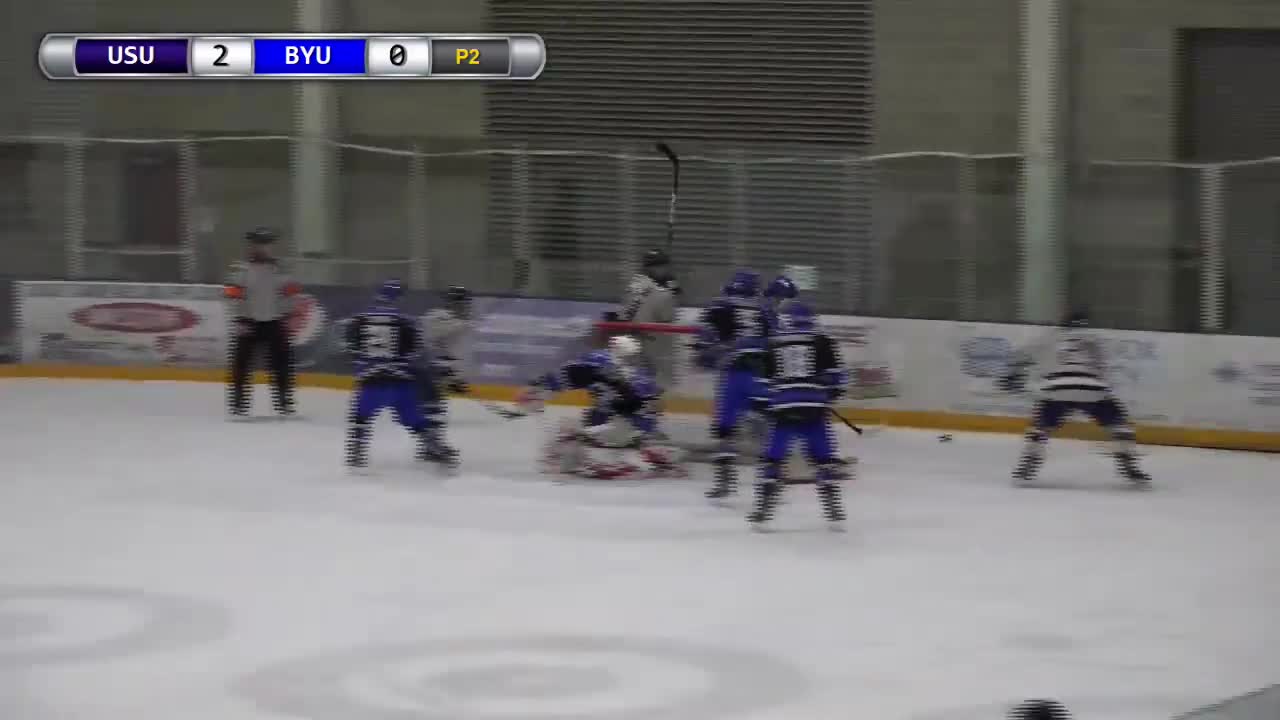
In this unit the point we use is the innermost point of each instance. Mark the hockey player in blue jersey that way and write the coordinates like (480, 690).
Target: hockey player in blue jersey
(731, 341)
(617, 436)
(1072, 371)
(802, 379)
(778, 291)
(385, 346)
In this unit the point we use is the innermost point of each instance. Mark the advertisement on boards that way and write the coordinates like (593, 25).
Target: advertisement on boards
(513, 339)
(871, 355)
(121, 323)
(976, 359)
(108, 323)
(1239, 382)
(1137, 365)
(516, 339)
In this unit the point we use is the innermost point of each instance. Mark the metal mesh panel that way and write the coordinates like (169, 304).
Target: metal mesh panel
(1122, 251)
(132, 212)
(377, 227)
(1152, 246)
(239, 185)
(945, 234)
(33, 211)
(1251, 228)
(994, 230)
(796, 213)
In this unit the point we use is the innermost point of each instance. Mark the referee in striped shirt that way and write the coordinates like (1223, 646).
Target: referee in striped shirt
(261, 297)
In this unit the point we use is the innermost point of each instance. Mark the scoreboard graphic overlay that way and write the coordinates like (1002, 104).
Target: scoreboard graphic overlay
(298, 56)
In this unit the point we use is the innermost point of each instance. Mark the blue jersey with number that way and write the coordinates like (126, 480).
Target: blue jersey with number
(614, 389)
(801, 370)
(384, 345)
(732, 334)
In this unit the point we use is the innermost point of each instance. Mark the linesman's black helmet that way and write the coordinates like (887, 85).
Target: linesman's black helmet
(261, 236)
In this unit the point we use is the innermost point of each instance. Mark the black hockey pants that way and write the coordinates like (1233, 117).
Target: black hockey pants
(272, 336)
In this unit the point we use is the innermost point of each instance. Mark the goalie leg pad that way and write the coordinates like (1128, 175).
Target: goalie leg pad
(603, 452)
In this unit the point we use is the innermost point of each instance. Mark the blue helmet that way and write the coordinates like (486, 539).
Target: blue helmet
(389, 293)
(782, 288)
(745, 284)
(797, 317)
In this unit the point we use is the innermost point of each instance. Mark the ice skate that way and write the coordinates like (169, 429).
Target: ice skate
(726, 482)
(768, 494)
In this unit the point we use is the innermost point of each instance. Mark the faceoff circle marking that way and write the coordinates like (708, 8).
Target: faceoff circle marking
(531, 678)
(42, 625)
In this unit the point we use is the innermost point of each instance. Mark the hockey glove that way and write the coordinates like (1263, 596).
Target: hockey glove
(1013, 382)
(707, 356)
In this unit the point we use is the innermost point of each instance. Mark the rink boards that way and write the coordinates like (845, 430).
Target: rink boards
(1197, 390)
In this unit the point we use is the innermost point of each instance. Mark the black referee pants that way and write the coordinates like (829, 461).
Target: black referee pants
(273, 337)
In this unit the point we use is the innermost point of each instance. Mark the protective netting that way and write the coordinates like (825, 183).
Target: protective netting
(1148, 245)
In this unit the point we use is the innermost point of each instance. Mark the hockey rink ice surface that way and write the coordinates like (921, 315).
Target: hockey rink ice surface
(157, 561)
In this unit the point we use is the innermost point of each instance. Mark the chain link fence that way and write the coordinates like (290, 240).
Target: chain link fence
(1154, 246)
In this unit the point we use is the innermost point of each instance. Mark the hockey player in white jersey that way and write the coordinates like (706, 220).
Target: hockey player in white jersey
(1072, 379)
(651, 298)
(446, 329)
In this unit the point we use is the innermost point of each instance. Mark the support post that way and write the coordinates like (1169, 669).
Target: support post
(1212, 249)
(523, 278)
(1042, 284)
(420, 234)
(970, 245)
(75, 214)
(314, 156)
(188, 197)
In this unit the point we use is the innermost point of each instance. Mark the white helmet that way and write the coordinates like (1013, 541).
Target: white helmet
(623, 348)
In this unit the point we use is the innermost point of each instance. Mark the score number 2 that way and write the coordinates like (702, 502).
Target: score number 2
(222, 56)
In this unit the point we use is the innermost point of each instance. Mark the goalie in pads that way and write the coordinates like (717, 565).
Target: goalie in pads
(617, 436)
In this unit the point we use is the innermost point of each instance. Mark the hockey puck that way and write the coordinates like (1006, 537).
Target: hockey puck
(945, 437)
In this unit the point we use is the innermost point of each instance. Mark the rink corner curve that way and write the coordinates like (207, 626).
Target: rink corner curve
(1214, 438)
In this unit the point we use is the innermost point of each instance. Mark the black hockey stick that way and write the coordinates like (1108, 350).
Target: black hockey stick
(503, 411)
(850, 425)
(665, 149)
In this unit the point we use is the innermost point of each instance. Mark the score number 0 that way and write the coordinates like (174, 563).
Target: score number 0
(398, 55)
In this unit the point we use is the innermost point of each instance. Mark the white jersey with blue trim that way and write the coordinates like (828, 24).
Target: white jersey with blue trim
(1071, 366)
(446, 334)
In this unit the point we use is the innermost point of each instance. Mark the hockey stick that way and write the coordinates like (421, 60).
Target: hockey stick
(848, 424)
(503, 411)
(665, 149)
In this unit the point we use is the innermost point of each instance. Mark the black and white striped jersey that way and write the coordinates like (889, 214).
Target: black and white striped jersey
(1071, 366)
